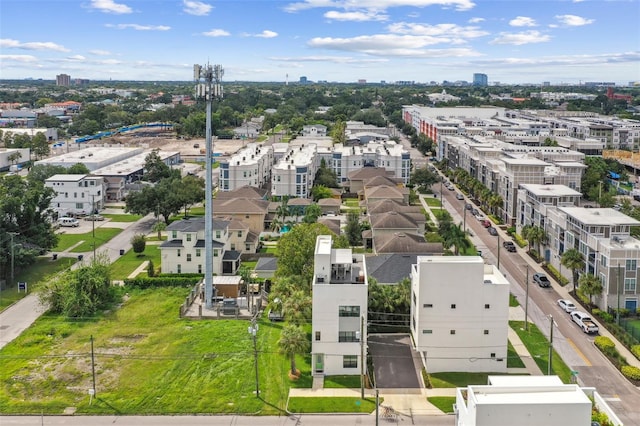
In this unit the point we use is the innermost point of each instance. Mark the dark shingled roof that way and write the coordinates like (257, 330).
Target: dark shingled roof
(368, 173)
(267, 264)
(195, 224)
(390, 268)
(242, 192)
(400, 242)
(231, 255)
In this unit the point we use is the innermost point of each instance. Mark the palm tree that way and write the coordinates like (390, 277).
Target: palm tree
(457, 238)
(296, 308)
(293, 341)
(159, 226)
(573, 260)
(590, 285)
(535, 235)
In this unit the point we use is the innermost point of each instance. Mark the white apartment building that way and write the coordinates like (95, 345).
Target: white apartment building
(76, 195)
(610, 253)
(184, 250)
(459, 314)
(293, 175)
(386, 154)
(526, 401)
(251, 166)
(340, 302)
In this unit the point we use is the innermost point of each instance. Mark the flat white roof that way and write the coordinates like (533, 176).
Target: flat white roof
(525, 161)
(549, 190)
(599, 216)
(131, 164)
(529, 395)
(514, 380)
(341, 256)
(65, 178)
(89, 153)
(323, 244)
(450, 259)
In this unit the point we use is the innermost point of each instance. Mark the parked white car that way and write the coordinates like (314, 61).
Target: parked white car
(566, 305)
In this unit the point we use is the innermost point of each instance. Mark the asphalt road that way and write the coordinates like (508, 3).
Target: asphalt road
(575, 347)
(304, 420)
(393, 361)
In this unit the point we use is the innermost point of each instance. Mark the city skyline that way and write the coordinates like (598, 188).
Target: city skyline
(342, 41)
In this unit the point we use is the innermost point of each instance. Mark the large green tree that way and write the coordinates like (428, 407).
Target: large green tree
(293, 341)
(573, 260)
(353, 230)
(590, 286)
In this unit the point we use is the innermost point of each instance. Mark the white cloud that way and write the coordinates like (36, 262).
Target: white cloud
(476, 20)
(216, 32)
(18, 58)
(99, 52)
(110, 6)
(34, 45)
(196, 8)
(355, 16)
(573, 20)
(138, 27)
(448, 33)
(390, 45)
(109, 62)
(522, 21)
(526, 37)
(267, 34)
(379, 5)
(571, 60)
(76, 58)
(332, 59)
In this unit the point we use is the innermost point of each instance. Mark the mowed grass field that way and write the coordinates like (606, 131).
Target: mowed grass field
(69, 240)
(147, 361)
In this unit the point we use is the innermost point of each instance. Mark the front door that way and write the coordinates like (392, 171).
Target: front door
(631, 304)
(318, 365)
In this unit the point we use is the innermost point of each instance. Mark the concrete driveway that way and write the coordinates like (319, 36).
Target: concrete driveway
(394, 361)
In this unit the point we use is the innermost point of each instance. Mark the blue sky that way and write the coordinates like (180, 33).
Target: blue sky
(512, 41)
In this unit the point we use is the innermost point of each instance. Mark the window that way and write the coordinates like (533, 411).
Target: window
(453, 306)
(199, 269)
(174, 234)
(188, 257)
(632, 264)
(349, 311)
(217, 233)
(630, 285)
(452, 332)
(239, 234)
(493, 354)
(79, 206)
(188, 237)
(347, 336)
(179, 252)
(179, 268)
(486, 332)
(317, 336)
(350, 361)
(198, 252)
(428, 305)
(215, 253)
(427, 331)
(487, 306)
(247, 247)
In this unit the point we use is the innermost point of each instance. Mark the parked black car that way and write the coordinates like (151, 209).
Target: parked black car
(509, 246)
(492, 231)
(541, 280)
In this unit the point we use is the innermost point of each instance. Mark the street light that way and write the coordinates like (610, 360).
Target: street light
(253, 331)
(526, 303)
(210, 87)
(12, 234)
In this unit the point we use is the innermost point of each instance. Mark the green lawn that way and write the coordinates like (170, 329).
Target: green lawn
(513, 302)
(349, 382)
(458, 379)
(513, 359)
(33, 276)
(102, 236)
(433, 202)
(443, 403)
(331, 405)
(126, 264)
(149, 361)
(538, 347)
(269, 249)
(123, 217)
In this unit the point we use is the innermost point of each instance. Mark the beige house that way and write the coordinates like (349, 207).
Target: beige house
(248, 210)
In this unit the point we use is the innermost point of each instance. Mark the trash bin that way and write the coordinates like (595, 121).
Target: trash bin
(121, 252)
(80, 257)
(54, 256)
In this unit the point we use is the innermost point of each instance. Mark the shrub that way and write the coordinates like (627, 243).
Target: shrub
(425, 377)
(143, 283)
(631, 372)
(606, 345)
(511, 230)
(635, 349)
(138, 242)
(561, 279)
(150, 271)
(605, 316)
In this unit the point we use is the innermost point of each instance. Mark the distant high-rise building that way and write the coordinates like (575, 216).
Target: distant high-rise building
(63, 80)
(81, 81)
(362, 81)
(303, 80)
(480, 79)
(546, 83)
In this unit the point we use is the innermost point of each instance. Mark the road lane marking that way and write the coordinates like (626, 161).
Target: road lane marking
(575, 348)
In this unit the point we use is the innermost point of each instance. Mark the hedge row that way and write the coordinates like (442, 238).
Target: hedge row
(619, 333)
(162, 281)
(608, 348)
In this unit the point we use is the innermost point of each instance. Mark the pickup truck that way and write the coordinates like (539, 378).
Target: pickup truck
(584, 321)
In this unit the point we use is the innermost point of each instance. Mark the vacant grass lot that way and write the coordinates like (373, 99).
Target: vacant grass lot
(348, 382)
(123, 217)
(443, 403)
(33, 276)
(126, 264)
(102, 236)
(458, 379)
(331, 405)
(433, 202)
(147, 361)
(538, 347)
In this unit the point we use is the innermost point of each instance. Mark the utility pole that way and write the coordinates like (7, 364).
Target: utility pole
(499, 253)
(253, 331)
(526, 304)
(93, 224)
(618, 293)
(549, 369)
(13, 256)
(464, 219)
(93, 368)
(211, 75)
(362, 360)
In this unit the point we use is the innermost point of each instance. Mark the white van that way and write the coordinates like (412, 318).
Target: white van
(69, 221)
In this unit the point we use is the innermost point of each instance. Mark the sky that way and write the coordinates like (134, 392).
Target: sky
(512, 41)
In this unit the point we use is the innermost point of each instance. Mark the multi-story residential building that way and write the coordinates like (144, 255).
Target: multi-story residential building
(314, 130)
(610, 253)
(250, 166)
(76, 195)
(388, 155)
(340, 292)
(184, 249)
(459, 314)
(63, 80)
(293, 175)
(480, 79)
